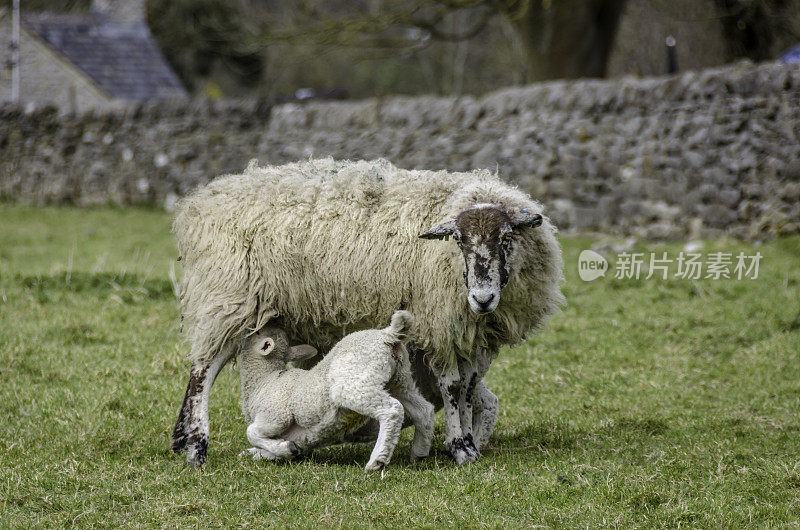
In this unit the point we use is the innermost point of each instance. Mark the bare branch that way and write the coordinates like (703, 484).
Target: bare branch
(436, 33)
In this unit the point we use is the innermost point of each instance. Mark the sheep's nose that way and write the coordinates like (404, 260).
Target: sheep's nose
(483, 300)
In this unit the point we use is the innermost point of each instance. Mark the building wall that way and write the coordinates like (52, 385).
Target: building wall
(700, 153)
(45, 77)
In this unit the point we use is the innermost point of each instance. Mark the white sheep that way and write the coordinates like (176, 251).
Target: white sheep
(366, 375)
(323, 247)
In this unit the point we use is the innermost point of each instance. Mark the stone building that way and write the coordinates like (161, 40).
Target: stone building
(79, 61)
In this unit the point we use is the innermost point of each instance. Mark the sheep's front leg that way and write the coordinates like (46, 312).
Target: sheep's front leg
(449, 381)
(192, 428)
(468, 372)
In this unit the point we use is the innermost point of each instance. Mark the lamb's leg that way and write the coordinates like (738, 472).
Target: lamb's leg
(377, 403)
(419, 410)
(484, 415)
(449, 382)
(258, 454)
(390, 418)
(262, 436)
(421, 413)
(192, 428)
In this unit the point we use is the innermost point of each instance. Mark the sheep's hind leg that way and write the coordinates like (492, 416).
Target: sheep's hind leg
(192, 428)
(484, 402)
(486, 406)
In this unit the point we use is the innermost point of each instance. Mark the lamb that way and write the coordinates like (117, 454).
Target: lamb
(366, 375)
(320, 248)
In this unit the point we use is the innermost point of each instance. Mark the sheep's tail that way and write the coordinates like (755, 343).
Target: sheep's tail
(402, 322)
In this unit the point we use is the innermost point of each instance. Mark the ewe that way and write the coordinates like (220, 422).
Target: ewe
(366, 375)
(320, 248)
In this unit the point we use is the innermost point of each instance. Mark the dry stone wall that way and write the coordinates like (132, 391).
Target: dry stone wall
(701, 153)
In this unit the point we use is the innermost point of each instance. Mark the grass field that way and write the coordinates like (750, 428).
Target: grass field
(646, 403)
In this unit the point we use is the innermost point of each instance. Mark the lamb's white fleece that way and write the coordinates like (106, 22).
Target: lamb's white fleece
(367, 375)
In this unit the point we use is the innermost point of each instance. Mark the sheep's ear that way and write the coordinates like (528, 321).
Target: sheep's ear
(525, 217)
(301, 352)
(266, 347)
(443, 231)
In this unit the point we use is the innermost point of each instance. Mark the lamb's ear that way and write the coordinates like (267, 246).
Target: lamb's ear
(443, 231)
(525, 217)
(266, 347)
(301, 352)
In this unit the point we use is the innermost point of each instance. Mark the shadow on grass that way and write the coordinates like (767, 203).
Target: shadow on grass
(545, 437)
(556, 436)
(551, 435)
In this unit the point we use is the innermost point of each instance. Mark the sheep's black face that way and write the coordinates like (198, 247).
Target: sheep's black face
(485, 235)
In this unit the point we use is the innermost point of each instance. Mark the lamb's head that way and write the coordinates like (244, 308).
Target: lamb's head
(273, 344)
(485, 235)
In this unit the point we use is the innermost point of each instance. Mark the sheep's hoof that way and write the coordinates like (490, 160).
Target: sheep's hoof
(293, 449)
(196, 454)
(179, 443)
(376, 465)
(470, 446)
(458, 450)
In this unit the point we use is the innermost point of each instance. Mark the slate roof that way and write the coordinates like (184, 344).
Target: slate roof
(122, 59)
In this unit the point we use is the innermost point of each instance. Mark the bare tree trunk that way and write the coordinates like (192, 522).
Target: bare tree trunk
(567, 38)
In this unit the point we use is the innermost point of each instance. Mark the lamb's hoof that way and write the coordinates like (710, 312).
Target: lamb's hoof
(293, 449)
(458, 450)
(196, 454)
(258, 454)
(376, 465)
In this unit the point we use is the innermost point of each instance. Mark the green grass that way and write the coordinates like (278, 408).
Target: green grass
(646, 403)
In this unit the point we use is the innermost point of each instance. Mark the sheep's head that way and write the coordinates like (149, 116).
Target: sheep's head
(485, 235)
(273, 344)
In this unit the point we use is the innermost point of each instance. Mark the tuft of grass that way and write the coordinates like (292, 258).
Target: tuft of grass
(646, 403)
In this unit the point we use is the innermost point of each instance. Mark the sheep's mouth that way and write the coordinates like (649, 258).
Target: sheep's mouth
(482, 309)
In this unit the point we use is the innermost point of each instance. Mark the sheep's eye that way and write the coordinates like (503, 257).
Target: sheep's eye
(506, 238)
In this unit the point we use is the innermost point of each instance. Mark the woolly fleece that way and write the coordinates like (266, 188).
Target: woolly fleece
(327, 247)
